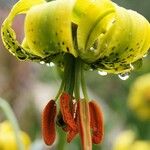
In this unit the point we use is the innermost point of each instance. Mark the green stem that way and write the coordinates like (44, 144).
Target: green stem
(61, 139)
(69, 73)
(77, 79)
(60, 90)
(11, 117)
(83, 84)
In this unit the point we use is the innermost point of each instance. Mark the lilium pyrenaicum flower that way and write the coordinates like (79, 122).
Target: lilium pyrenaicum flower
(77, 36)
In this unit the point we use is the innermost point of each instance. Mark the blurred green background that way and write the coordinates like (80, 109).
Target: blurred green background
(28, 86)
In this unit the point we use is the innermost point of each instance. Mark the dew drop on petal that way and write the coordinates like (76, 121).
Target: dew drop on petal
(51, 64)
(124, 76)
(106, 44)
(102, 73)
(145, 55)
(92, 48)
(131, 66)
(42, 62)
(48, 64)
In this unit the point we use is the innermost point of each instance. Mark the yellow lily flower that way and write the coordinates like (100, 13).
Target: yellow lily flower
(124, 140)
(104, 35)
(77, 35)
(127, 141)
(141, 145)
(8, 140)
(139, 97)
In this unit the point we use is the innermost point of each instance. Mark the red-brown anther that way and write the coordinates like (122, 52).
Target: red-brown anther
(71, 134)
(84, 124)
(66, 111)
(96, 122)
(48, 122)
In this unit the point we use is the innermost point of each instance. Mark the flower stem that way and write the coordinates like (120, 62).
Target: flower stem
(60, 90)
(83, 84)
(11, 117)
(61, 139)
(69, 73)
(77, 79)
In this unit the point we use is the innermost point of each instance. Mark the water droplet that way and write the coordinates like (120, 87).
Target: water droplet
(51, 64)
(145, 55)
(113, 21)
(42, 62)
(48, 64)
(106, 45)
(102, 73)
(132, 67)
(92, 48)
(124, 76)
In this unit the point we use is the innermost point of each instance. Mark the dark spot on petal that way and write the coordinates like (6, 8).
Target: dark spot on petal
(113, 48)
(67, 49)
(131, 49)
(34, 42)
(126, 48)
(13, 42)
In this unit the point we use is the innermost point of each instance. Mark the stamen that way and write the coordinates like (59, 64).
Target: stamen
(84, 124)
(48, 122)
(72, 133)
(66, 111)
(96, 122)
